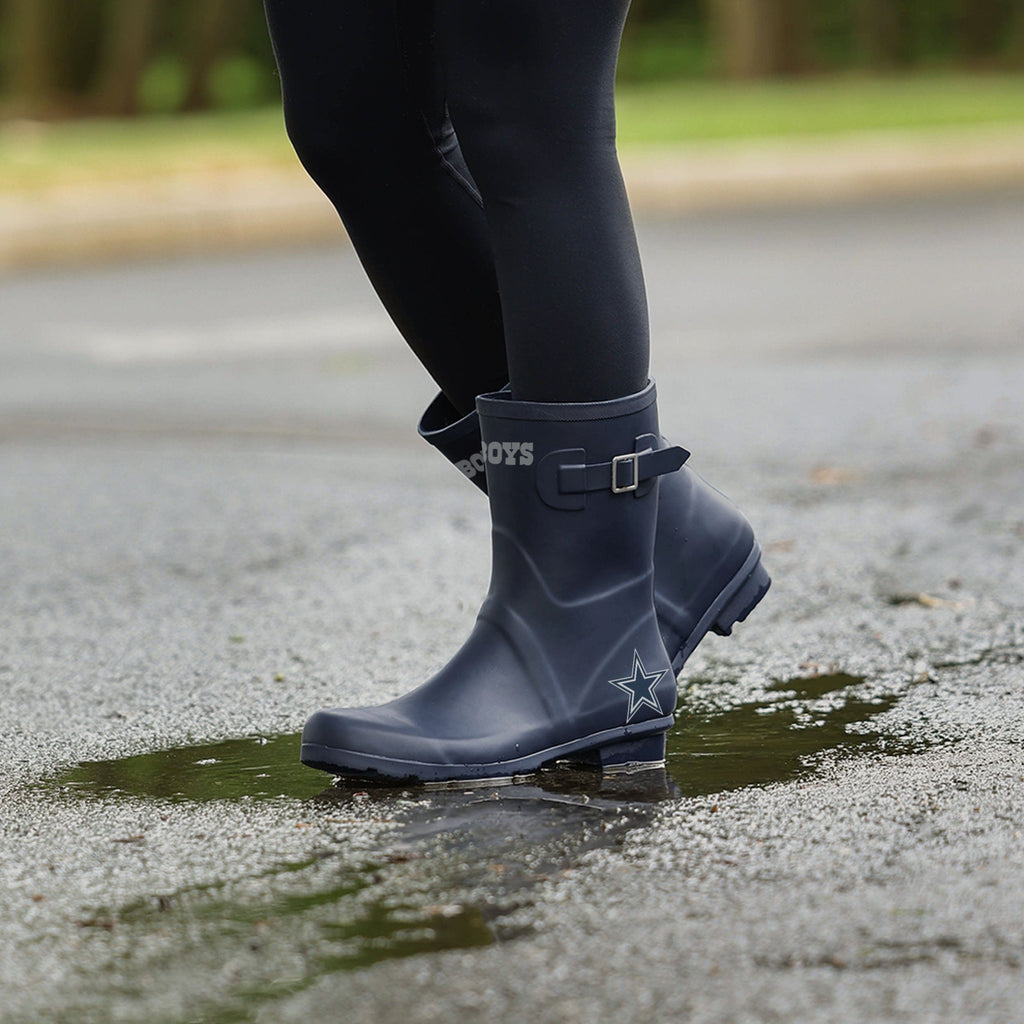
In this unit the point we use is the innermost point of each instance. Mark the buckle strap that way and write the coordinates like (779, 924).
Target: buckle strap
(624, 473)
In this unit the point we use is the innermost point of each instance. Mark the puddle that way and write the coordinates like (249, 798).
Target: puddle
(776, 738)
(710, 750)
(466, 860)
(253, 768)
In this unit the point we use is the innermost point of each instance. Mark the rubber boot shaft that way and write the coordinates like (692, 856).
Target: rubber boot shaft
(707, 564)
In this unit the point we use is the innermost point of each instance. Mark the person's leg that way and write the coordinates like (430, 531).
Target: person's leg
(364, 107)
(530, 87)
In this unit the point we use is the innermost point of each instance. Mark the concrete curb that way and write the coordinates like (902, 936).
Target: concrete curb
(825, 170)
(263, 207)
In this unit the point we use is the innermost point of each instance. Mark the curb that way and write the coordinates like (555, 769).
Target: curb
(816, 170)
(260, 208)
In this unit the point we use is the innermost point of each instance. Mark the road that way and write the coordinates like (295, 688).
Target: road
(216, 517)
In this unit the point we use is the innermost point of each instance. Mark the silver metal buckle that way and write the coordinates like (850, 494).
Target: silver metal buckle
(618, 460)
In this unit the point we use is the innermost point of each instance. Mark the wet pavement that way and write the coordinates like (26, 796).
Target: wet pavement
(216, 518)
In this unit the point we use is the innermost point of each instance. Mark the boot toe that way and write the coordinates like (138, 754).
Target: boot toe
(353, 739)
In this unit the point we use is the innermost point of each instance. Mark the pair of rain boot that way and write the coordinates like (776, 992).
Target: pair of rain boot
(610, 562)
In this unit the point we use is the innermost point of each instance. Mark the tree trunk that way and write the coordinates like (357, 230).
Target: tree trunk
(127, 47)
(33, 80)
(883, 31)
(758, 38)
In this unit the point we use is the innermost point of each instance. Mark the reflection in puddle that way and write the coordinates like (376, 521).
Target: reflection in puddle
(308, 923)
(467, 859)
(251, 940)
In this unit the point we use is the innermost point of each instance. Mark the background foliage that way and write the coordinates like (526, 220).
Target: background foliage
(65, 58)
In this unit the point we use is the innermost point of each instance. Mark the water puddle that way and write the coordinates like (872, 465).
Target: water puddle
(465, 861)
(253, 768)
(775, 738)
(711, 749)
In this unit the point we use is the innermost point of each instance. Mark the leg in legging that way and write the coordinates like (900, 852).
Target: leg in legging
(364, 107)
(530, 87)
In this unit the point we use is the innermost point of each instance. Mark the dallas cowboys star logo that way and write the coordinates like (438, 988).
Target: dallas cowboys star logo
(640, 687)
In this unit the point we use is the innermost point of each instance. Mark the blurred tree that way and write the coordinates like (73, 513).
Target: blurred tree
(130, 32)
(984, 26)
(80, 39)
(1015, 37)
(755, 38)
(70, 56)
(32, 79)
(883, 32)
(214, 28)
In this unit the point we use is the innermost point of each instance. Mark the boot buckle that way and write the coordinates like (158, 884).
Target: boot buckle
(633, 458)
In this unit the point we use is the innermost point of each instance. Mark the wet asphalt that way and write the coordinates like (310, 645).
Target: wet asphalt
(215, 517)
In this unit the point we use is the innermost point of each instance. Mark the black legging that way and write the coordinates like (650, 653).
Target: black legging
(508, 252)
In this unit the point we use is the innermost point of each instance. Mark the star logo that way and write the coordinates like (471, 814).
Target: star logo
(640, 687)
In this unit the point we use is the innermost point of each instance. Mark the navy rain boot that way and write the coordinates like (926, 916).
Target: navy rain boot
(707, 565)
(566, 659)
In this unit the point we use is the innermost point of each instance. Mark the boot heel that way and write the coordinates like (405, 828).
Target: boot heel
(633, 755)
(744, 601)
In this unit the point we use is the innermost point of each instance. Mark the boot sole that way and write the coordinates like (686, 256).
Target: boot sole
(614, 751)
(736, 601)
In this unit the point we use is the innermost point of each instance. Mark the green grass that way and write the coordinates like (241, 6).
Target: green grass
(39, 156)
(690, 111)
(43, 157)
